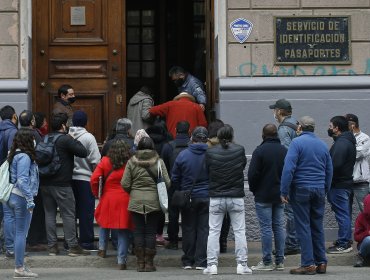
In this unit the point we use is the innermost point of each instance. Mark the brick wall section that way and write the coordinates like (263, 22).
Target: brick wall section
(255, 57)
(9, 39)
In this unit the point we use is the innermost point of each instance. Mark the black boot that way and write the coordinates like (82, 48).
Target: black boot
(359, 261)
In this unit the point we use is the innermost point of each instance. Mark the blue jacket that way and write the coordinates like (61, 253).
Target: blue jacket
(307, 164)
(24, 173)
(194, 87)
(8, 131)
(188, 165)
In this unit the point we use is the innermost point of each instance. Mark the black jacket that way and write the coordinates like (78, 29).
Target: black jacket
(264, 173)
(67, 148)
(343, 155)
(225, 167)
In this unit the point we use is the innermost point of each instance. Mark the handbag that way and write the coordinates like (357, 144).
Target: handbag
(102, 181)
(6, 186)
(161, 187)
(182, 198)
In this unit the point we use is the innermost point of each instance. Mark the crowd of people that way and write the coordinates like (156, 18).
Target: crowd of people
(290, 176)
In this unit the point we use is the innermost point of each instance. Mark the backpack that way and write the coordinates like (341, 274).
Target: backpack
(47, 156)
(176, 149)
(289, 124)
(3, 147)
(5, 185)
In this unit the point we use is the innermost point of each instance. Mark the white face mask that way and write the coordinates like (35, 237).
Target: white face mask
(275, 116)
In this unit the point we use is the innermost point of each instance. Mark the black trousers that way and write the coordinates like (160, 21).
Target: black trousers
(173, 219)
(37, 232)
(145, 228)
(195, 233)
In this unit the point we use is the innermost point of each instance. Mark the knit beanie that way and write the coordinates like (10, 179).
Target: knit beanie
(79, 118)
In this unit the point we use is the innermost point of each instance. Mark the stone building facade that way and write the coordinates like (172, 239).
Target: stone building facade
(245, 75)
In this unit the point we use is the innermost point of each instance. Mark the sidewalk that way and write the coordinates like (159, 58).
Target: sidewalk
(164, 258)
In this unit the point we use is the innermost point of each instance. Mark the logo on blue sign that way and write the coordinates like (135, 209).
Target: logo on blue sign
(241, 29)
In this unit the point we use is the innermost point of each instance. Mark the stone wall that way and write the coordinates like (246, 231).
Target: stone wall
(255, 57)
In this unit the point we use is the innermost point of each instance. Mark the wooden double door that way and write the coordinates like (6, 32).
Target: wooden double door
(107, 49)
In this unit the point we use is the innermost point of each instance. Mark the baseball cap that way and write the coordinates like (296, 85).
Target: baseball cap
(352, 118)
(200, 134)
(307, 121)
(281, 104)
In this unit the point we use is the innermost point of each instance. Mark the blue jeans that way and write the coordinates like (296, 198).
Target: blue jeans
(291, 241)
(339, 200)
(271, 219)
(123, 236)
(309, 208)
(218, 207)
(364, 248)
(358, 193)
(17, 207)
(9, 228)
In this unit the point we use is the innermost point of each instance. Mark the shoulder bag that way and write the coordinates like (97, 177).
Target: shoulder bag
(161, 187)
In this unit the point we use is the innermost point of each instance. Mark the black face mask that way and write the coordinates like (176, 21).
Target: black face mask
(330, 132)
(179, 82)
(71, 100)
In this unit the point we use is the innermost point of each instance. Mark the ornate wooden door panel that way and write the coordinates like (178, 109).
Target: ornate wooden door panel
(81, 43)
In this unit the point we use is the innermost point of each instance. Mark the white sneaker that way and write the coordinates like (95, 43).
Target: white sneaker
(243, 269)
(212, 270)
(200, 268)
(263, 267)
(24, 273)
(279, 267)
(187, 267)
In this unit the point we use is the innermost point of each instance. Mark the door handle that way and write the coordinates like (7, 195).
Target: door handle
(119, 99)
(43, 84)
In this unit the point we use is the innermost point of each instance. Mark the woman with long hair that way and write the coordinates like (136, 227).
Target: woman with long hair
(18, 209)
(111, 212)
(144, 203)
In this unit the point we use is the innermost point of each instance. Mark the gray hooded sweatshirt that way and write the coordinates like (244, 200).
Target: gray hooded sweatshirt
(138, 111)
(83, 167)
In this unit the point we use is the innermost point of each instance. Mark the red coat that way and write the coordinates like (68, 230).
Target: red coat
(180, 110)
(362, 225)
(112, 208)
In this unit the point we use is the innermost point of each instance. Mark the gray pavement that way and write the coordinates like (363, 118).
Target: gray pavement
(164, 258)
(225, 273)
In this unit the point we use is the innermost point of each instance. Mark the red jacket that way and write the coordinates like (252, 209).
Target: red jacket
(112, 208)
(180, 110)
(362, 225)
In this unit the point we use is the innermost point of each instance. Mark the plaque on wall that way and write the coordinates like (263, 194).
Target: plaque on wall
(78, 15)
(312, 40)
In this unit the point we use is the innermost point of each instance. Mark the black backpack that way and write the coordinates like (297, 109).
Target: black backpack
(47, 156)
(176, 149)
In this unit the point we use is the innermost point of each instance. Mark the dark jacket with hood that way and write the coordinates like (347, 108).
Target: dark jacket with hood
(343, 154)
(225, 167)
(362, 225)
(67, 148)
(140, 185)
(171, 150)
(7, 132)
(190, 165)
(264, 173)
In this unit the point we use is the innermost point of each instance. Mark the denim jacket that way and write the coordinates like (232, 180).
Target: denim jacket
(194, 87)
(286, 133)
(25, 176)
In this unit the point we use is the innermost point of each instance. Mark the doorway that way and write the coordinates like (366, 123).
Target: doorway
(159, 35)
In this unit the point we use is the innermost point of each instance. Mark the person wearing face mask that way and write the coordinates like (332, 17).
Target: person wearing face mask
(306, 178)
(185, 82)
(343, 154)
(361, 175)
(287, 128)
(66, 97)
(57, 189)
(41, 124)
